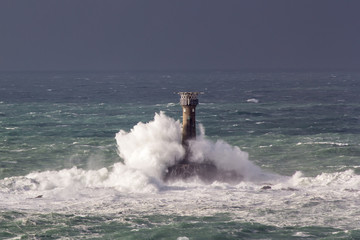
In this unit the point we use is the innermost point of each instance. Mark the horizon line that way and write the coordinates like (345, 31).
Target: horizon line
(192, 70)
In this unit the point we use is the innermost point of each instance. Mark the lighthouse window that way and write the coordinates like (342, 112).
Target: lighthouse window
(193, 110)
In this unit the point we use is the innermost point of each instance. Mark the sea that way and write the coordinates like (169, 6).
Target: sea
(83, 155)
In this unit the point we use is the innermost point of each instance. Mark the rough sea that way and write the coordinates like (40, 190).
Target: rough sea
(82, 155)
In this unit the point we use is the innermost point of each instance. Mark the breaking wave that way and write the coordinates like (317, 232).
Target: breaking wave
(135, 185)
(154, 146)
(147, 150)
(151, 147)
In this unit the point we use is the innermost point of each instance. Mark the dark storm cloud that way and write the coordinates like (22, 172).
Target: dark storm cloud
(183, 34)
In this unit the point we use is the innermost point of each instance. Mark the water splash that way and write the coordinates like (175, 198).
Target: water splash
(152, 147)
(135, 186)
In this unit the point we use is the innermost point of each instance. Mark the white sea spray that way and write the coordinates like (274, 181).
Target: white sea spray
(135, 186)
(224, 156)
(151, 147)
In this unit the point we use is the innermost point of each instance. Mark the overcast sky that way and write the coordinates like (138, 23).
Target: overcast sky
(179, 35)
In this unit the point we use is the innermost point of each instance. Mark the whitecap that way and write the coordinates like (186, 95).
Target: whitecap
(252, 100)
(182, 238)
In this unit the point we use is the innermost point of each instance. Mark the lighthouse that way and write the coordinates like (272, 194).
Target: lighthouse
(185, 168)
(188, 101)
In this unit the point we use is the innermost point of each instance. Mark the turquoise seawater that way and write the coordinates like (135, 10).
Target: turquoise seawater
(62, 175)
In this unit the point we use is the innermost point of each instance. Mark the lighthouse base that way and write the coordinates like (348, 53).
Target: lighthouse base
(207, 172)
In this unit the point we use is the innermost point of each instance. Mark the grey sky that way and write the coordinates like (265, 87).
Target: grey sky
(182, 34)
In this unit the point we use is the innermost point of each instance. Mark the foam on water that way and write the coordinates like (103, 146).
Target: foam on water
(225, 157)
(152, 147)
(134, 186)
(326, 200)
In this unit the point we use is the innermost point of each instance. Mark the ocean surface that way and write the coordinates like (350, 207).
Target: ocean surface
(82, 155)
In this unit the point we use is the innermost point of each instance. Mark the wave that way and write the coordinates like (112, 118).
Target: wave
(324, 143)
(252, 100)
(135, 185)
(147, 150)
(329, 199)
(225, 157)
(154, 146)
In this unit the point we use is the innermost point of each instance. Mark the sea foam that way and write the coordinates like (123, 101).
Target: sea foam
(151, 147)
(146, 150)
(154, 146)
(134, 186)
(223, 156)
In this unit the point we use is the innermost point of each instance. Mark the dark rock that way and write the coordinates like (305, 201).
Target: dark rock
(206, 172)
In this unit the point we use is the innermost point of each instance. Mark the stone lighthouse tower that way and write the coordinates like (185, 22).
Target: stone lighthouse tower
(188, 101)
(184, 169)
